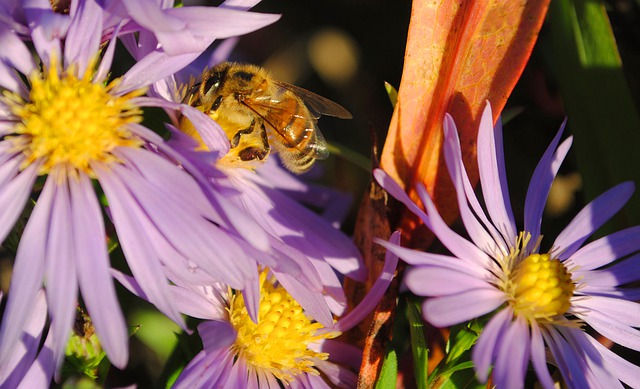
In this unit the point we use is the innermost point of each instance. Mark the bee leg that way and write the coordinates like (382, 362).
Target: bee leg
(265, 138)
(253, 152)
(235, 141)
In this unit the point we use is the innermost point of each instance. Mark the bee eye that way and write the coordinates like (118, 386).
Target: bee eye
(213, 82)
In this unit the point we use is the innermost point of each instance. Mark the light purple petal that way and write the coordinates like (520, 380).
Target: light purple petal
(512, 357)
(47, 28)
(570, 361)
(610, 277)
(27, 275)
(483, 352)
(239, 4)
(83, 38)
(95, 282)
(10, 80)
(14, 52)
(617, 331)
(376, 292)
(147, 14)
(607, 249)
(12, 15)
(9, 167)
(196, 305)
(624, 370)
(216, 335)
(251, 295)
(223, 51)
(141, 256)
(25, 352)
(60, 264)
(420, 258)
(449, 310)
(621, 311)
(297, 226)
(207, 369)
(151, 68)
(294, 263)
(310, 381)
(129, 283)
(223, 212)
(442, 281)
(313, 303)
(13, 197)
(459, 246)
(243, 222)
(41, 371)
(107, 58)
(339, 352)
(482, 238)
(243, 375)
(338, 375)
(180, 222)
(592, 217)
(540, 184)
(539, 358)
(391, 186)
(493, 177)
(306, 231)
(205, 24)
(211, 133)
(597, 372)
(221, 22)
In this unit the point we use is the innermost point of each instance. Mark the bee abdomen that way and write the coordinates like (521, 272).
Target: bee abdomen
(297, 162)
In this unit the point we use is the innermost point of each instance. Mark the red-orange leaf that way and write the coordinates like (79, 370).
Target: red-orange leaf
(459, 54)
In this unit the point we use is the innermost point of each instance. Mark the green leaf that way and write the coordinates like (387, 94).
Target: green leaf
(388, 372)
(464, 377)
(456, 370)
(418, 345)
(597, 98)
(157, 332)
(461, 339)
(392, 93)
(186, 349)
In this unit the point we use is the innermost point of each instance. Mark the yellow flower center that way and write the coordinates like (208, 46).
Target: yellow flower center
(278, 342)
(541, 287)
(71, 121)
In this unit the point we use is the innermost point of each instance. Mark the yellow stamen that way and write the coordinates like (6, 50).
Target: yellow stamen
(72, 121)
(541, 287)
(278, 342)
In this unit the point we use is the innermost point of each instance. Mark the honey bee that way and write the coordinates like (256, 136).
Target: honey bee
(259, 113)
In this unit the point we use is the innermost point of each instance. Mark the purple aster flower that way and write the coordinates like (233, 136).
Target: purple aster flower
(276, 200)
(539, 301)
(76, 130)
(284, 346)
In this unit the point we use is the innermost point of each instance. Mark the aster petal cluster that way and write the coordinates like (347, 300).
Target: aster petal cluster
(284, 346)
(538, 303)
(69, 135)
(296, 234)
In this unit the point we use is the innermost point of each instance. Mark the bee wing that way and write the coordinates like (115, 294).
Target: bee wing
(317, 104)
(278, 117)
